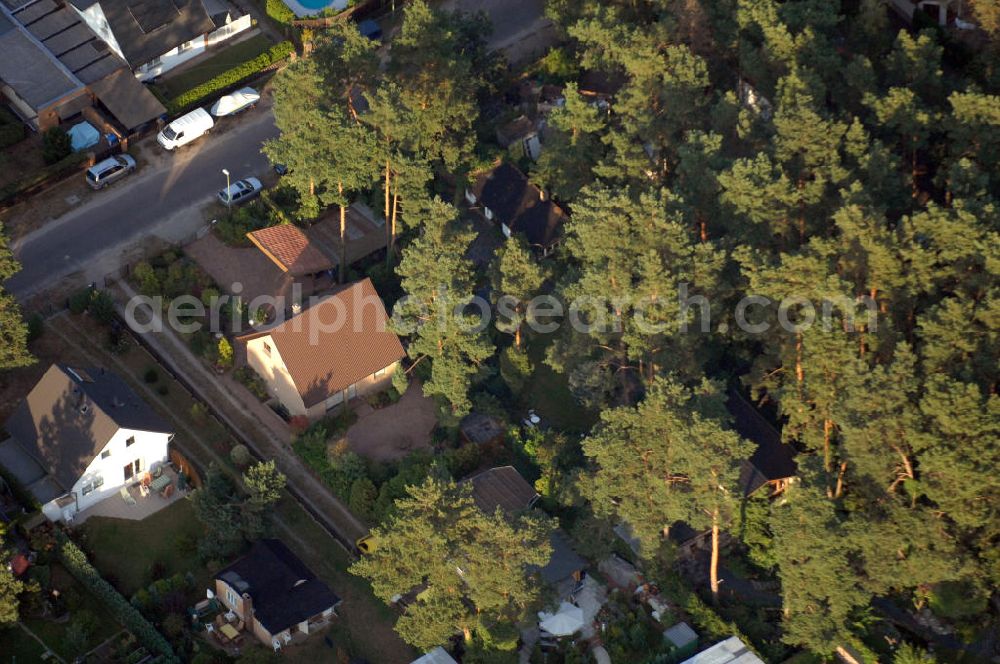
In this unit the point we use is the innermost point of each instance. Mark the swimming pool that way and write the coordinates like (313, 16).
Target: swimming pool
(309, 7)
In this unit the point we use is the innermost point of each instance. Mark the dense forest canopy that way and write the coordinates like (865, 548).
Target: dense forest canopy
(803, 152)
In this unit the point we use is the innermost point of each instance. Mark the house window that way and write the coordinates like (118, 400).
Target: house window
(231, 598)
(380, 373)
(105, 454)
(130, 441)
(92, 485)
(267, 348)
(155, 62)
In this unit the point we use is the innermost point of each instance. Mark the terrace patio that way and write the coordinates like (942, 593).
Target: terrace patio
(148, 497)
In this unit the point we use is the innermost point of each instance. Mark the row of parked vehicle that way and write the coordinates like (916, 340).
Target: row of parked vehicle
(182, 131)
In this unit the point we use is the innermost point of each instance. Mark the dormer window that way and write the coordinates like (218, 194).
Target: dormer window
(105, 454)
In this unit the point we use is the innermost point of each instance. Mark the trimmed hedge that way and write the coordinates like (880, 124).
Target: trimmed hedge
(279, 12)
(76, 562)
(227, 79)
(50, 172)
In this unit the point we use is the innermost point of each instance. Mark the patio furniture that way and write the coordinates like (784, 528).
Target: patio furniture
(209, 627)
(287, 637)
(229, 631)
(276, 644)
(160, 483)
(126, 496)
(144, 490)
(230, 616)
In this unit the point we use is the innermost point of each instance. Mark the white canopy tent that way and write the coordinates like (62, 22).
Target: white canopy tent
(568, 620)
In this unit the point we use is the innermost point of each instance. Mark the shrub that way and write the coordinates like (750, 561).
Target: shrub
(249, 378)
(229, 78)
(463, 461)
(102, 307)
(151, 375)
(79, 300)
(399, 380)
(233, 228)
(225, 352)
(56, 145)
(174, 625)
(362, 497)
(198, 411)
(36, 326)
(240, 455)
(145, 277)
(77, 564)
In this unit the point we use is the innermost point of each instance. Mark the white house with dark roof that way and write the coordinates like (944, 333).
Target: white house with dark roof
(80, 436)
(154, 36)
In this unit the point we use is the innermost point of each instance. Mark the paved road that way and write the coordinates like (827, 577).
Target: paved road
(517, 25)
(163, 199)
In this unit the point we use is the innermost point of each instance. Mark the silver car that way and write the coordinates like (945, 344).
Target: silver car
(240, 191)
(111, 169)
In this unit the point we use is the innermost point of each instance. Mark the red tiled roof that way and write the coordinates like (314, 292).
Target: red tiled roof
(290, 249)
(337, 342)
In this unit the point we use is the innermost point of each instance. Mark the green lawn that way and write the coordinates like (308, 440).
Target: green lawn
(224, 60)
(78, 600)
(548, 393)
(127, 550)
(18, 647)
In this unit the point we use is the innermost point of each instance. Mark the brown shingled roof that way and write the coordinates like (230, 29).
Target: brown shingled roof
(502, 487)
(323, 362)
(290, 250)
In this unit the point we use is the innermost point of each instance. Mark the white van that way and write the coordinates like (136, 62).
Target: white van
(185, 129)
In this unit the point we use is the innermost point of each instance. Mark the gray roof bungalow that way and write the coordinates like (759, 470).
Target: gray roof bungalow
(54, 65)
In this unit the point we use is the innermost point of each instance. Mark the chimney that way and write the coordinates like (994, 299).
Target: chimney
(247, 609)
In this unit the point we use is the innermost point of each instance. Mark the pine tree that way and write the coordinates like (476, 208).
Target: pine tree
(670, 459)
(516, 277)
(572, 145)
(819, 589)
(437, 280)
(470, 569)
(13, 330)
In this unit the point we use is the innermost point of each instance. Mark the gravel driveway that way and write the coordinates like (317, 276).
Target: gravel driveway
(393, 432)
